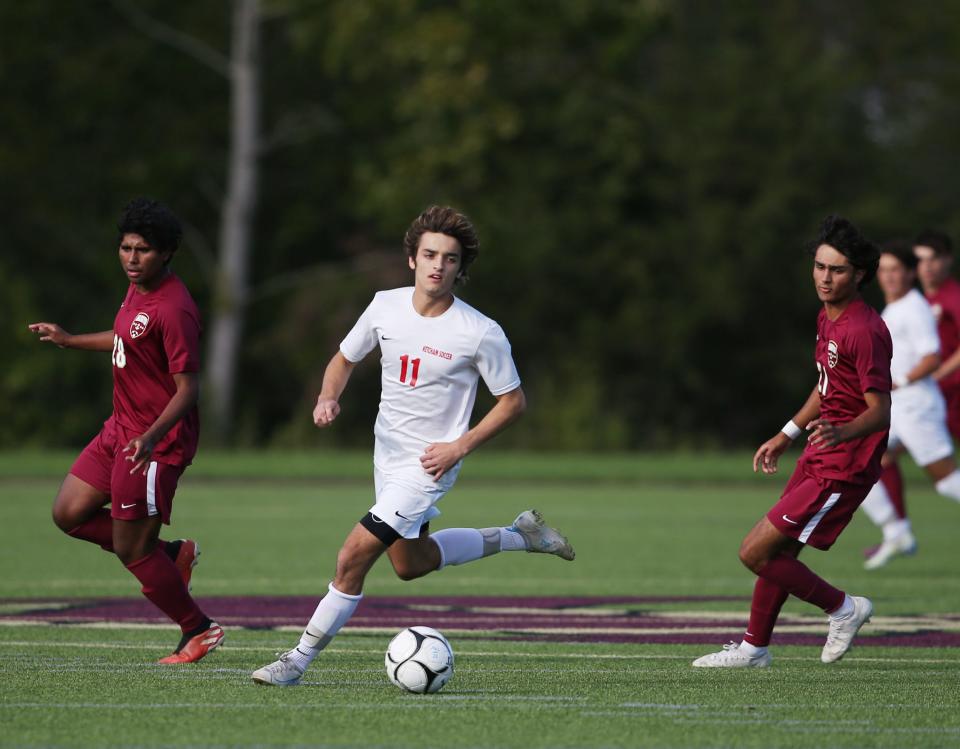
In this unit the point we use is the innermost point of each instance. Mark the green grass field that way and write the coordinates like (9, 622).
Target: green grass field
(643, 526)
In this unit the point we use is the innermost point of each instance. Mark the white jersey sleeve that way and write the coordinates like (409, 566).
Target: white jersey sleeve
(925, 337)
(495, 363)
(362, 339)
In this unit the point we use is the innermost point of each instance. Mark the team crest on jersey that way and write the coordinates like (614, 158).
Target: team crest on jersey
(139, 324)
(833, 354)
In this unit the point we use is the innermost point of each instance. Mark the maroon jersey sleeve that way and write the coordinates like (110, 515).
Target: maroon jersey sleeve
(181, 340)
(872, 353)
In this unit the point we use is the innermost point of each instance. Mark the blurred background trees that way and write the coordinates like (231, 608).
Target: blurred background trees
(643, 174)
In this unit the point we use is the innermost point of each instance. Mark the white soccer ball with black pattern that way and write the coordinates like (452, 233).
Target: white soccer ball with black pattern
(420, 660)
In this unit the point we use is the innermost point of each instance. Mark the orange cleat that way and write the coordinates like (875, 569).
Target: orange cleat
(197, 647)
(187, 558)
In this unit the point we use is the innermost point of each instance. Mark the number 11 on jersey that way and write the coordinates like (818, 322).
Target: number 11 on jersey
(414, 365)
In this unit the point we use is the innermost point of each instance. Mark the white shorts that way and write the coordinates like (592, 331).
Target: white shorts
(920, 426)
(407, 498)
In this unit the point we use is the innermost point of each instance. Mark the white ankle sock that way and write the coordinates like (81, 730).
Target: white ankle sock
(878, 506)
(950, 486)
(895, 528)
(751, 649)
(462, 545)
(846, 608)
(332, 613)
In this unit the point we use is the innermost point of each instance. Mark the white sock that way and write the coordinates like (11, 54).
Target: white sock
(846, 609)
(751, 649)
(895, 528)
(878, 506)
(333, 611)
(462, 545)
(950, 486)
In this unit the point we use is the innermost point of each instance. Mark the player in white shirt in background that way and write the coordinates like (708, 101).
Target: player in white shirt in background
(434, 348)
(918, 412)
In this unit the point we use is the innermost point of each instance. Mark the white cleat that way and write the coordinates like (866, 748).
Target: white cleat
(903, 545)
(540, 537)
(281, 673)
(733, 657)
(842, 631)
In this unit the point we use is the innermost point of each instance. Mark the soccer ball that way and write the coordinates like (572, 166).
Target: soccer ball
(420, 660)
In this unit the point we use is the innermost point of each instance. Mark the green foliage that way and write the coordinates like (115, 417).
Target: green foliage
(643, 175)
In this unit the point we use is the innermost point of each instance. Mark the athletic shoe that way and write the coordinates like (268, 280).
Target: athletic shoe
(540, 537)
(197, 646)
(902, 545)
(733, 657)
(281, 673)
(186, 560)
(842, 631)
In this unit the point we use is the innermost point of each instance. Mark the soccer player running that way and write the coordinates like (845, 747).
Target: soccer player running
(136, 460)
(847, 415)
(918, 412)
(934, 251)
(433, 349)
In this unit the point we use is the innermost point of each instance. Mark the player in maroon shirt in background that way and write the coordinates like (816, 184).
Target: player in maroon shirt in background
(135, 461)
(848, 417)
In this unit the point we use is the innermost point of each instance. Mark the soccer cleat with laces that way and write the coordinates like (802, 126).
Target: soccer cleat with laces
(281, 673)
(186, 559)
(903, 545)
(733, 657)
(197, 646)
(540, 537)
(842, 631)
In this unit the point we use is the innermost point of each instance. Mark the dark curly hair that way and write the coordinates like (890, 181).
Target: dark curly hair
(153, 221)
(445, 220)
(936, 240)
(845, 238)
(902, 250)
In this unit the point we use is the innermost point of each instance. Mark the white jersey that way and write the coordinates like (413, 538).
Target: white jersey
(430, 367)
(914, 334)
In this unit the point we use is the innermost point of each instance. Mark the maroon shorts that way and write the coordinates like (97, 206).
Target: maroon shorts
(952, 397)
(103, 465)
(815, 511)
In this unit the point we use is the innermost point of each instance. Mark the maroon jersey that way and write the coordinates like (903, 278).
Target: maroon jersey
(946, 309)
(155, 336)
(853, 356)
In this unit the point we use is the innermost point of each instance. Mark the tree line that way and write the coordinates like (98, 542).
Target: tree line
(643, 176)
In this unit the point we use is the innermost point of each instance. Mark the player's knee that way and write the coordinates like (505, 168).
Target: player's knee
(749, 557)
(407, 571)
(63, 519)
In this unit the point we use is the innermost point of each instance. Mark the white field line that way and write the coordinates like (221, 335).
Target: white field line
(460, 652)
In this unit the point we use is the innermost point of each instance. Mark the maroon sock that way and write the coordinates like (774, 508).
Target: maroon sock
(799, 580)
(768, 598)
(893, 482)
(162, 585)
(97, 530)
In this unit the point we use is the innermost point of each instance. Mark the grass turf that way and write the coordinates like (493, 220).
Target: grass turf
(662, 525)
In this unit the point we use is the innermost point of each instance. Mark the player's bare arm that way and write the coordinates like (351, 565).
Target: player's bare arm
(875, 418)
(766, 457)
(53, 333)
(440, 457)
(923, 368)
(335, 379)
(947, 368)
(184, 399)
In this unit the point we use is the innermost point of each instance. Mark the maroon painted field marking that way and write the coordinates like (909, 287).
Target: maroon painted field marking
(614, 619)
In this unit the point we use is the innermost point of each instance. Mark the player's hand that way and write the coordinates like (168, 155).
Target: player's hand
(766, 457)
(141, 449)
(51, 332)
(440, 457)
(824, 434)
(325, 412)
